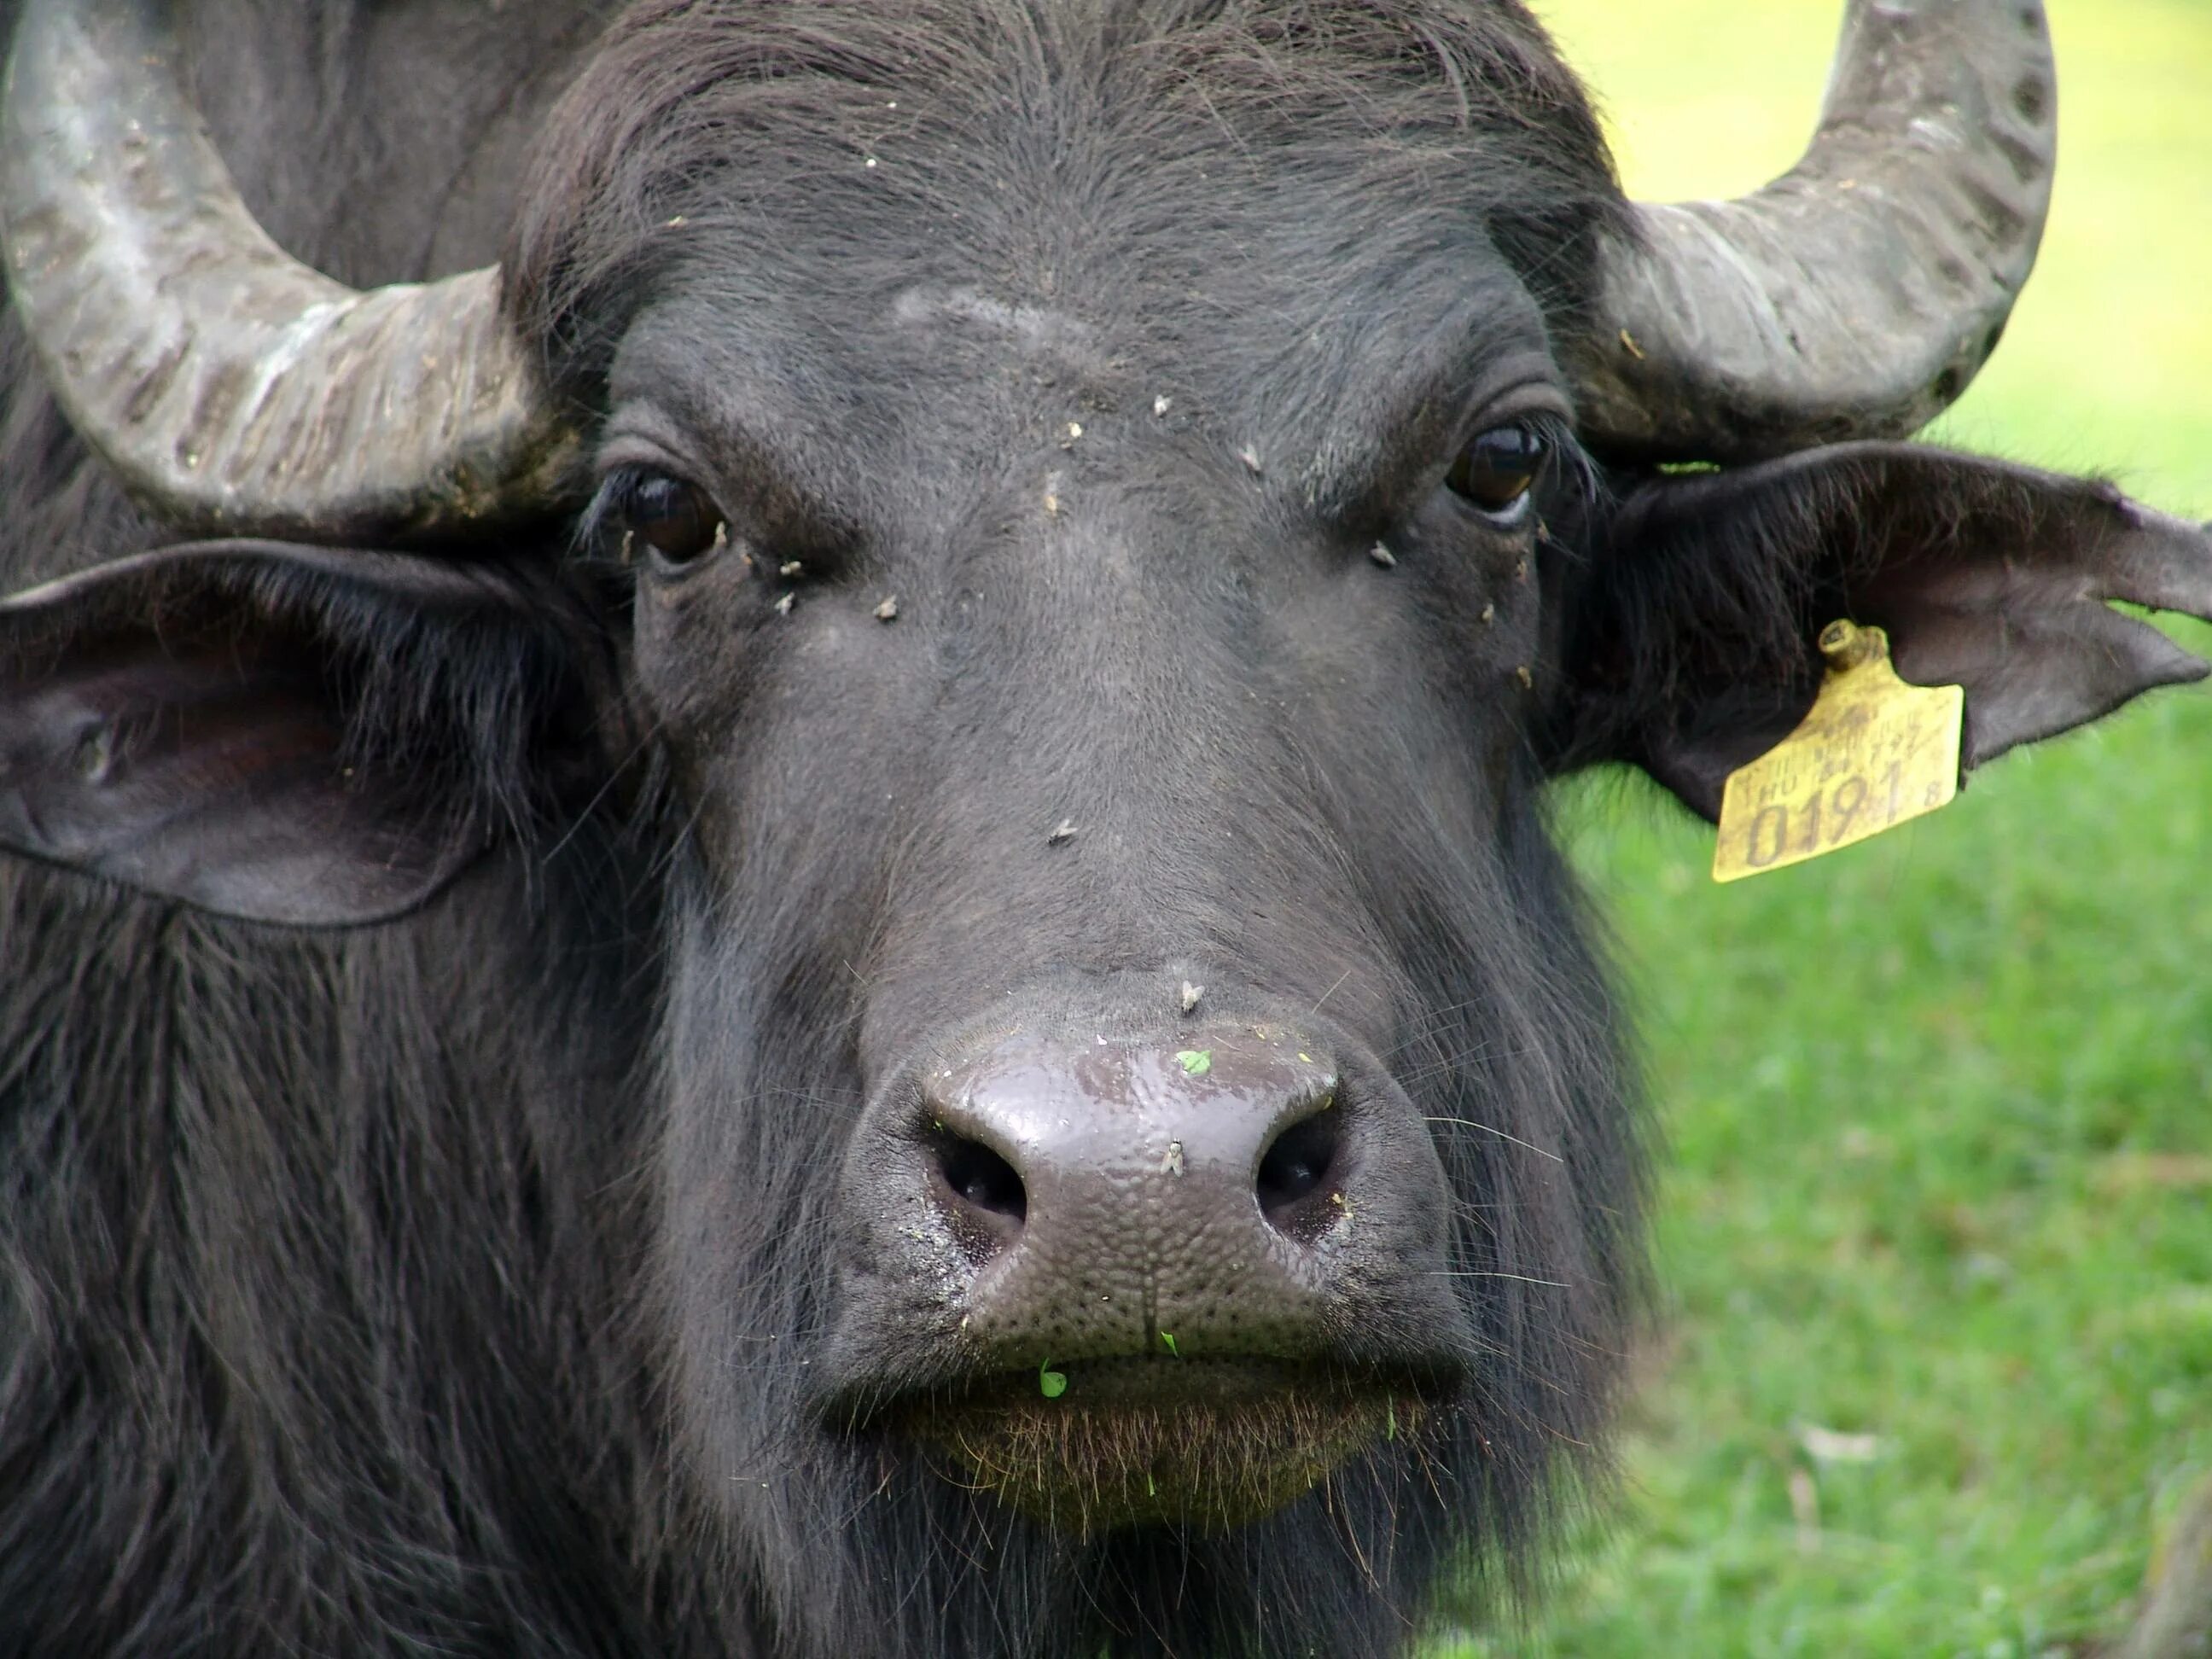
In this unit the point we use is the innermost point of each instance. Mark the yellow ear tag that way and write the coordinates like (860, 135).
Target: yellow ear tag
(1870, 753)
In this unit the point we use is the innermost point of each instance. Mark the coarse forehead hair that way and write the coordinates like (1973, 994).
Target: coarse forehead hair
(1189, 163)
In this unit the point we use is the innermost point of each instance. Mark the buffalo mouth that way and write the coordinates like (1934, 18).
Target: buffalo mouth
(1203, 1443)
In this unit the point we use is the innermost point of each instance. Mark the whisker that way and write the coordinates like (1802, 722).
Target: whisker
(1331, 991)
(1469, 1122)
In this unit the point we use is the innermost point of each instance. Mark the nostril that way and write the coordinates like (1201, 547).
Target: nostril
(979, 1178)
(1297, 1166)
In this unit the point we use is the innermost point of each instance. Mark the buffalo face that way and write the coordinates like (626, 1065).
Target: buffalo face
(1145, 717)
(1056, 585)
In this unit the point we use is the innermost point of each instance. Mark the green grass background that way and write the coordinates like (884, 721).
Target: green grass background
(1940, 1106)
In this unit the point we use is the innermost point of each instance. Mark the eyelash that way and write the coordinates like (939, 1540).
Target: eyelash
(598, 530)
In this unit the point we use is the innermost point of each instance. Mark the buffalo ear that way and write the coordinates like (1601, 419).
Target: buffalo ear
(1690, 647)
(289, 734)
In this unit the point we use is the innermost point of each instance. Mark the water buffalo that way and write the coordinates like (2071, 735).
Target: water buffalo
(809, 915)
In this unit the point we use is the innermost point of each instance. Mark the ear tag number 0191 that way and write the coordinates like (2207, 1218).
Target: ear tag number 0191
(1870, 753)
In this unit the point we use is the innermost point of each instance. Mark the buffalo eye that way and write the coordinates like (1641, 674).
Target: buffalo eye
(1496, 472)
(676, 519)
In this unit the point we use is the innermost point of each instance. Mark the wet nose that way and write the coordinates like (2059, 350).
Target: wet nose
(1081, 1129)
(1203, 1195)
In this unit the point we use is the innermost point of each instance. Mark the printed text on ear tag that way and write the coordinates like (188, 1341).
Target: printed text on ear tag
(1870, 753)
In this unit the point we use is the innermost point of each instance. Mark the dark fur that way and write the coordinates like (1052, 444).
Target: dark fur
(454, 1285)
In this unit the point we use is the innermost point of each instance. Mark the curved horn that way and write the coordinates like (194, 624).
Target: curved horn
(1857, 294)
(236, 391)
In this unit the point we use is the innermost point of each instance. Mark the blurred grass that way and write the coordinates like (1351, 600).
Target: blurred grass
(1940, 1106)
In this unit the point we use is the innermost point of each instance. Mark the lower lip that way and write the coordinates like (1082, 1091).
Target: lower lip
(1207, 1444)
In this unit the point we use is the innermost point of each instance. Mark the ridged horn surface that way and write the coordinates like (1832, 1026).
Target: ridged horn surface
(236, 391)
(1858, 295)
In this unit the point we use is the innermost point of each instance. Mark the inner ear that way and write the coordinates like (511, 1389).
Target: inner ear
(299, 735)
